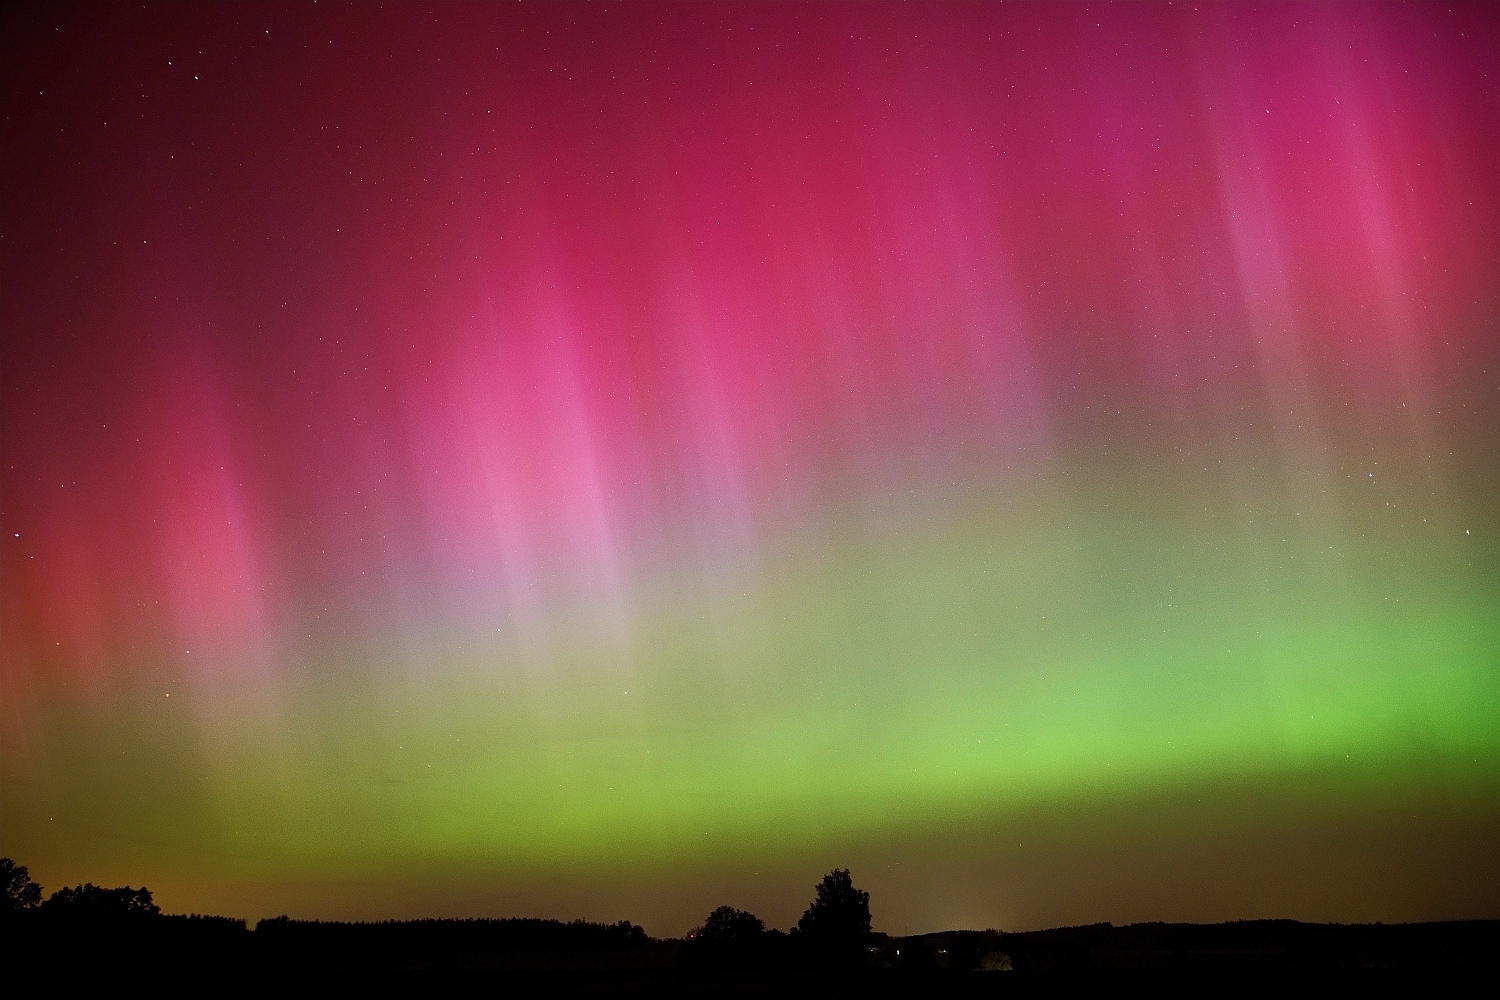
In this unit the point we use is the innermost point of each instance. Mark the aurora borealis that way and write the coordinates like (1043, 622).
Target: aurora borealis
(612, 460)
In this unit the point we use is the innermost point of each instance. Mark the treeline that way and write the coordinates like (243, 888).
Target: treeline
(105, 928)
(1244, 946)
(102, 927)
(512, 943)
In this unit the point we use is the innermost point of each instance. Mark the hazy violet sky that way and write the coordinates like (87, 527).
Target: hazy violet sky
(614, 460)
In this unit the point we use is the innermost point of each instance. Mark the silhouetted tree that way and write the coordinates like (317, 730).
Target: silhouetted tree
(838, 921)
(734, 938)
(17, 891)
(726, 925)
(96, 903)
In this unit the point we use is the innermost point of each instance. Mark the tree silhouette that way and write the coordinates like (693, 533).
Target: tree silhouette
(96, 903)
(726, 925)
(839, 918)
(19, 892)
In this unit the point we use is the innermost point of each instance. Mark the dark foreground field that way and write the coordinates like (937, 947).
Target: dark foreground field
(537, 957)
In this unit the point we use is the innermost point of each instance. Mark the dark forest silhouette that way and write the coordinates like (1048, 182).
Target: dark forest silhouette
(115, 927)
(19, 892)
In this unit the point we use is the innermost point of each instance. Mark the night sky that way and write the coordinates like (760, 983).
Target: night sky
(615, 460)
